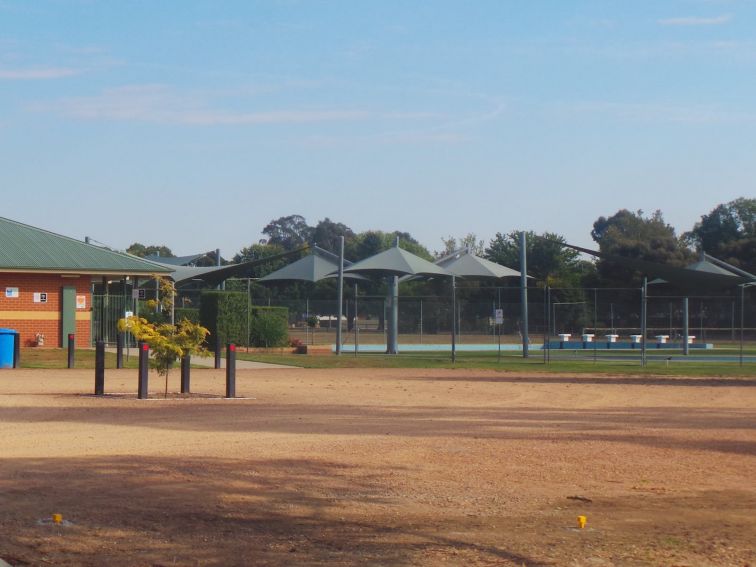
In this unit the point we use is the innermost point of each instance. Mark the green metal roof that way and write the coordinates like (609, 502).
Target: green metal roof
(24, 247)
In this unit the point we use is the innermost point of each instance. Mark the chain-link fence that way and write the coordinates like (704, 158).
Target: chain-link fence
(551, 312)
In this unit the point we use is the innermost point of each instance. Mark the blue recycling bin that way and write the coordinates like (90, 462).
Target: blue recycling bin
(7, 338)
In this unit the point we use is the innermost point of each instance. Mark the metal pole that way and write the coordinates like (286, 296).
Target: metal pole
(595, 321)
(186, 366)
(71, 349)
(644, 309)
(742, 319)
(249, 282)
(356, 323)
(119, 350)
(307, 320)
(231, 371)
(524, 292)
(686, 331)
(99, 368)
(16, 350)
(144, 371)
(498, 306)
(341, 294)
(392, 346)
(221, 285)
(454, 320)
(217, 350)
(548, 347)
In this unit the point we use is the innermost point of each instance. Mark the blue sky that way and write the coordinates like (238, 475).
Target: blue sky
(192, 124)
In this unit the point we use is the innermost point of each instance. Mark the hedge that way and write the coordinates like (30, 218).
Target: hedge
(269, 326)
(190, 313)
(225, 313)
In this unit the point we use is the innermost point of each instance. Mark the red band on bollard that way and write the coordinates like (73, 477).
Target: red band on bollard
(232, 348)
(145, 346)
(71, 336)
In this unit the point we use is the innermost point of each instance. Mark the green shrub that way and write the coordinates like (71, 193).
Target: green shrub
(224, 314)
(189, 313)
(269, 326)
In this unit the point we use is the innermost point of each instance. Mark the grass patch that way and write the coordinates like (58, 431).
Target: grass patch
(509, 363)
(58, 358)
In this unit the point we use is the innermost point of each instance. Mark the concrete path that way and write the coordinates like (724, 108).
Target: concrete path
(209, 362)
(240, 364)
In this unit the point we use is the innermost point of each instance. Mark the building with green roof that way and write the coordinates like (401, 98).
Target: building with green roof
(46, 282)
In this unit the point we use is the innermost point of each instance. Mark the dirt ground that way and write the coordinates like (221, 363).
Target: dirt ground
(378, 467)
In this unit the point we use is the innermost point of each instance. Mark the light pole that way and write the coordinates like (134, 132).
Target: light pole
(742, 315)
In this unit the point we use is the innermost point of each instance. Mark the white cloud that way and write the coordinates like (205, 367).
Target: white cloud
(696, 21)
(160, 104)
(37, 73)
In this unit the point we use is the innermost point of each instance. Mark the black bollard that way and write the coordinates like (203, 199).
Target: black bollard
(186, 364)
(217, 352)
(16, 350)
(119, 350)
(71, 349)
(144, 368)
(231, 371)
(99, 368)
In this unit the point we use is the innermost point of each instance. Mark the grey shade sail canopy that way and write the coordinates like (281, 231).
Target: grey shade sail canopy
(314, 267)
(464, 263)
(396, 262)
(214, 275)
(694, 277)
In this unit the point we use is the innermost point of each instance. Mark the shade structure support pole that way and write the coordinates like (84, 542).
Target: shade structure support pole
(454, 320)
(742, 320)
(392, 337)
(686, 331)
(524, 293)
(341, 295)
(644, 315)
(356, 323)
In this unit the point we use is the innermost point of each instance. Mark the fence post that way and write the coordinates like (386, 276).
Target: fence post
(217, 351)
(16, 350)
(186, 363)
(144, 360)
(231, 370)
(71, 349)
(99, 368)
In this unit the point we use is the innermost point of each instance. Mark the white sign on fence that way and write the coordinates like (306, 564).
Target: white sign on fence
(499, 316)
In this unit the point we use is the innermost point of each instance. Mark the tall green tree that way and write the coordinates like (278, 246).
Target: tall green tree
(635, 235)
(258, 252)
(548, 261)
(729, 233)
(470, 240)
(371, 242)
(138, 249)
(326, 234)
(289, 232)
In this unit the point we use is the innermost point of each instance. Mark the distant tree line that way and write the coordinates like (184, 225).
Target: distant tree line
(727, 232)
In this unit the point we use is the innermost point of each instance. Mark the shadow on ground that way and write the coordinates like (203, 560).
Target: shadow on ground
(158, 511)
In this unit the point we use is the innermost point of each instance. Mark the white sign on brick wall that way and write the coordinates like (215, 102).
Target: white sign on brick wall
(11, 292)
(40, 297)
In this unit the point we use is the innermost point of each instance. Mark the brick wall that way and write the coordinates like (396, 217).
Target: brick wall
(30, 318)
